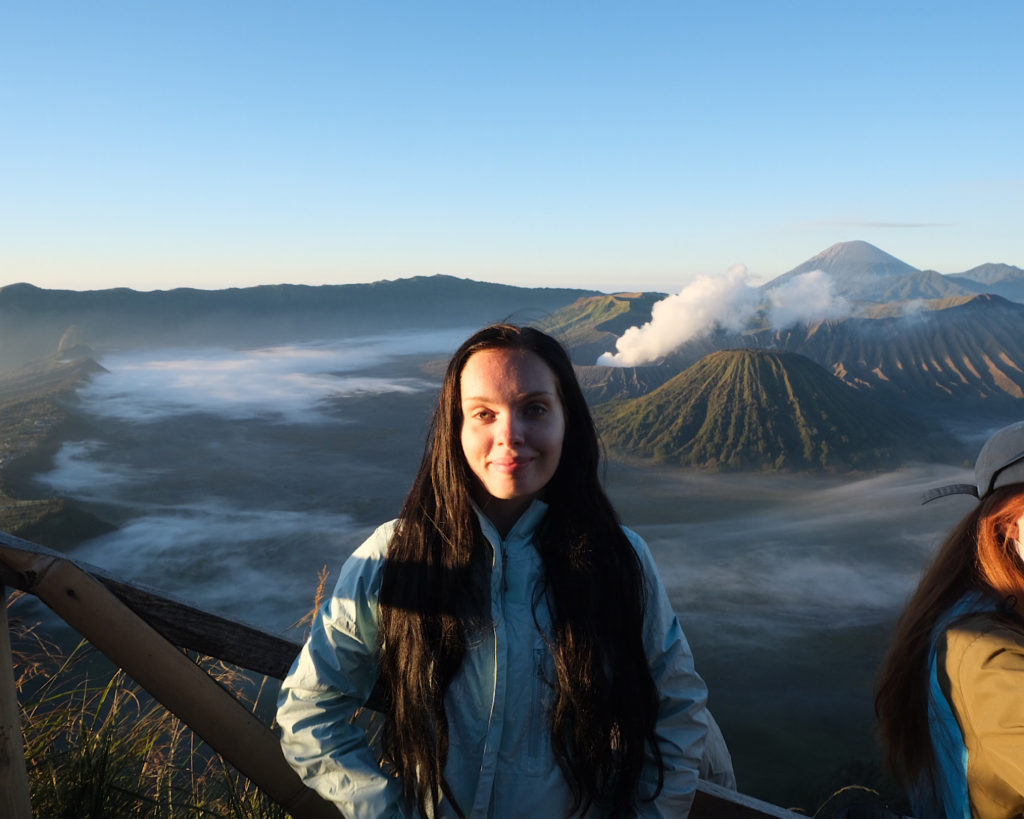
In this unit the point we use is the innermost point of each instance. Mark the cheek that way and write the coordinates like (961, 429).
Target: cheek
(473, 442)
(555, 440)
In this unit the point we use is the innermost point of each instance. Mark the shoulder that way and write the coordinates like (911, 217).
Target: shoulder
(375, 547)
(362, 570)
(652, 576)
(982, 643)
(984, 631)
(639, 544)
(643, 551)
(985, 663)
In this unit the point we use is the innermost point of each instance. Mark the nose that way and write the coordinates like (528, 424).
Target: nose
(511, 430)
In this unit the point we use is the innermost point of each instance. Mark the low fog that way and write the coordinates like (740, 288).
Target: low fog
(290, 383)
(234, 476)
(775, 552)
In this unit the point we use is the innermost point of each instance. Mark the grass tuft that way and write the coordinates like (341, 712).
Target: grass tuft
(97, 745)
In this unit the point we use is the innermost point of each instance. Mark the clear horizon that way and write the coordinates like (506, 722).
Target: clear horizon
(590, 145)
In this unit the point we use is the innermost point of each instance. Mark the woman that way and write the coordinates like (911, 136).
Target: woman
(950, 697)
(516, 640)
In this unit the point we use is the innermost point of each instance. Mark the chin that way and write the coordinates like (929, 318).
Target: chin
(510, 495)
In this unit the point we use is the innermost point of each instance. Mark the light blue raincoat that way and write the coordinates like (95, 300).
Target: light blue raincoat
(500, 761)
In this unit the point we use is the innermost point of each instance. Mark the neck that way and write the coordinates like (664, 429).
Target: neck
(503, 513)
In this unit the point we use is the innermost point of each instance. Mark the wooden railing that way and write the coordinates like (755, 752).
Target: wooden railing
(143, 632)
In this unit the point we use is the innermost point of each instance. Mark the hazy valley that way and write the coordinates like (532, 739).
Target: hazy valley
(224, 446)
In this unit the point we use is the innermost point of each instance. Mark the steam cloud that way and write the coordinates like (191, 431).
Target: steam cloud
(805, 298)
(728, 302)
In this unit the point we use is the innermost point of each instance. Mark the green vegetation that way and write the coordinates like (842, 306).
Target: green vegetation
(898, 309)
(590, 326)
(752, 409)
(33, 411)
(29, 412)
(584, 318)
(98, 746)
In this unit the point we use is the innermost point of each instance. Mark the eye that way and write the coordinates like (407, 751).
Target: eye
(535, 410)
(482, 414)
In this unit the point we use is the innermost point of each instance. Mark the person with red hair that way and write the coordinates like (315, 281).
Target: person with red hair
(950, 695)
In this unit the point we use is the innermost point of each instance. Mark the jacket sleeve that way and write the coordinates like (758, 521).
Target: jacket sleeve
(985, 664)
(330, 679)
(682, 717)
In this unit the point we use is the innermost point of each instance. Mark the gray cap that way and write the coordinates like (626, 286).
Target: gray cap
(1000, 463)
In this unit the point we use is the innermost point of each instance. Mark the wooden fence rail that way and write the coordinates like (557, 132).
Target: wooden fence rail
(143, 631)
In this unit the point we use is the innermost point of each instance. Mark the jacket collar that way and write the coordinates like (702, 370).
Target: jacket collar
(523, 528)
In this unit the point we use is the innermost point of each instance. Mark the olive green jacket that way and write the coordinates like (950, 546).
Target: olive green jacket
(984, 682)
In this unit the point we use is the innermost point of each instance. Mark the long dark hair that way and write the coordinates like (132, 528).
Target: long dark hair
(978, 555)
(605, 701)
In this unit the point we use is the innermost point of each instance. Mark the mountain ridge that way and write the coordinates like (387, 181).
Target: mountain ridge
(763, 410)
(965, 351)
(860, 271)
(957, 352)
(33, 321)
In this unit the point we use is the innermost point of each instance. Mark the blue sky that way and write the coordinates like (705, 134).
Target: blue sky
(629, 145)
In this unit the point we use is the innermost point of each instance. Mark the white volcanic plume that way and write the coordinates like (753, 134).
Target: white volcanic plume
(805, 298)
(708, 301)
(727, 302)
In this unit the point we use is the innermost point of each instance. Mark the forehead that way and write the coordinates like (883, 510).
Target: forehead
(500, 372)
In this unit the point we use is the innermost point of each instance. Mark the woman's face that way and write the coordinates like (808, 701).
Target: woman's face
(513, 425)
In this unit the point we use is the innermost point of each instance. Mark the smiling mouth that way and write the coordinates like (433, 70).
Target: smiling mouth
(511, 465)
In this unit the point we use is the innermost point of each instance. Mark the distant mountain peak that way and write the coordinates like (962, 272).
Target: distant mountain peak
(992, 273)
(863, 273)
(856, 257)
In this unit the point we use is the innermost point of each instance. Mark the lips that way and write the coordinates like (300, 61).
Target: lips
(511, 465)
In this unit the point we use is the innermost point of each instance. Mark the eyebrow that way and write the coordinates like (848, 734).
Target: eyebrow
(524, 397)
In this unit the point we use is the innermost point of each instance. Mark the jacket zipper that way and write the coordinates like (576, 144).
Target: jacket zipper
(504, 566)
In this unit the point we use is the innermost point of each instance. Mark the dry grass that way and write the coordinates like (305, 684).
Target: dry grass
(96, 745)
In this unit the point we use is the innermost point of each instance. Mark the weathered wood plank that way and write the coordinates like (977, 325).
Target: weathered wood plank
(14, 790)
(182, 623)
(180, 685)
(216, 636)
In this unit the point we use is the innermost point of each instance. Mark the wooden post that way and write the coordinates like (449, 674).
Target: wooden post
(14, 792)
(171, 677)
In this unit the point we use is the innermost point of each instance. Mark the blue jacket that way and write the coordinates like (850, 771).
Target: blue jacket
(500, 761)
